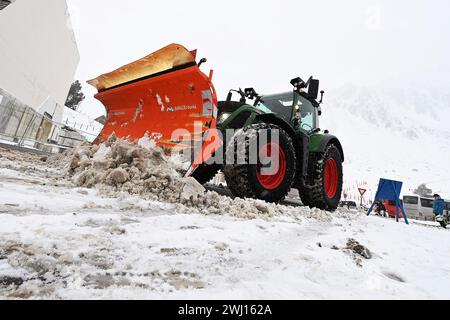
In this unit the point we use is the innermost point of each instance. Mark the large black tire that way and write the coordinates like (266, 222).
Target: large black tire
(205, 173)
(246, 180)
(318, 193)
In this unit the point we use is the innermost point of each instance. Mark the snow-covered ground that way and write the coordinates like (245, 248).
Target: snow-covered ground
(60, 241)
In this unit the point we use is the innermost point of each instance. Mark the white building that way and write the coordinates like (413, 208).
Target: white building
(38, 53)
(38, 61)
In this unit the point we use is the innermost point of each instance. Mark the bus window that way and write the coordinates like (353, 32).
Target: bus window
(411, 200)
(426, 203)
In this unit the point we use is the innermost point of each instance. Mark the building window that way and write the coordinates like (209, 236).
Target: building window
(5, 3)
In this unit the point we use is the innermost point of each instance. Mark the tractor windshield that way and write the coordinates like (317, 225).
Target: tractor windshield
(308, 117)
(279, 104)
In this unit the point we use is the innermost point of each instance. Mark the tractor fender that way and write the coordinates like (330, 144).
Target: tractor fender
(241, 114)
(319, 143)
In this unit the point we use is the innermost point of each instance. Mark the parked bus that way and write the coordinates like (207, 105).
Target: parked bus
(419, 208)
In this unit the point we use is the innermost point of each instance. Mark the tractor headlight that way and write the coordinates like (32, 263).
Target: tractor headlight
(223, 117)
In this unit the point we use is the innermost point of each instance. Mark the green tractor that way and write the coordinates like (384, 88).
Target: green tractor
(310, 160)
(275, 145)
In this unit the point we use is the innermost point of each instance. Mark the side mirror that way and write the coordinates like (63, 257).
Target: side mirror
(313, 90)
(229, 96)
(321, 96)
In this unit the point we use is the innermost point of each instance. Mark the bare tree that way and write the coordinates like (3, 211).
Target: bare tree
(75, 96)
(423, 191)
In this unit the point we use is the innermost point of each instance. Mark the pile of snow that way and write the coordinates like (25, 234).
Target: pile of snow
(120, 168)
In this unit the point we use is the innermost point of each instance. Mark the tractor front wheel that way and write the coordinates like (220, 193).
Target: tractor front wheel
(266, 180)
(324, 187)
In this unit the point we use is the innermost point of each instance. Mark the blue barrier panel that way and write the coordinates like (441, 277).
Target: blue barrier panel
(390, 190)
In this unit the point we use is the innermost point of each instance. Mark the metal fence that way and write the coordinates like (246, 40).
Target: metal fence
(23, 126)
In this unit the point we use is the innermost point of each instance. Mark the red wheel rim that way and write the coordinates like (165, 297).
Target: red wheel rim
(273, 181)
(331, 178)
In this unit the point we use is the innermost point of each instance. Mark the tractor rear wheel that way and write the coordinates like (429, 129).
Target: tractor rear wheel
(324, 181)
(270, 182)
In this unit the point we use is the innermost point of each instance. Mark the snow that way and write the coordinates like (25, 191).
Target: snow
(101, 153)
(146, 142)
(398, 133)
(66, 242)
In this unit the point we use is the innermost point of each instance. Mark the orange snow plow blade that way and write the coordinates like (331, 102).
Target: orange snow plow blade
(164, 96)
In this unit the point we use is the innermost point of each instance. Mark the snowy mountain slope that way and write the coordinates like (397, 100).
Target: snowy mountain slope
(399, 133)
(412, 111)
(62, 242)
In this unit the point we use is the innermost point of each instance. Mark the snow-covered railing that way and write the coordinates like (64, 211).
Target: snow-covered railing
(25, 127)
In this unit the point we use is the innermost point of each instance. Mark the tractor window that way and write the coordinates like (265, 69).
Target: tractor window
(280, 104)
(307, 114)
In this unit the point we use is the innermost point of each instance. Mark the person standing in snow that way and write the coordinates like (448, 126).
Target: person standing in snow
(438, 210)
(438, 207)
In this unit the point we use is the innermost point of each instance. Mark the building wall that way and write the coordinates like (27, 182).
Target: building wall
(38, 53)
(26, 127)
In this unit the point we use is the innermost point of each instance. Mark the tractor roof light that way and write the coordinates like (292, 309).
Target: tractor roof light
(250, 93)
(298, 83)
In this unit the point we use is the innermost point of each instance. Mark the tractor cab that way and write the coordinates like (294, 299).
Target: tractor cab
(292, 107)
(299, 108)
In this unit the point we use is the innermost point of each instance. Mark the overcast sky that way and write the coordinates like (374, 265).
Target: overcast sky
(266, 43)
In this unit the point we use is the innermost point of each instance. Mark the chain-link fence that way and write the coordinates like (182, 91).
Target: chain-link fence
(23, 126)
